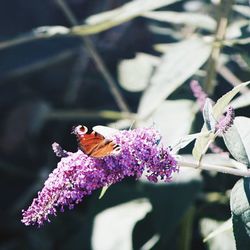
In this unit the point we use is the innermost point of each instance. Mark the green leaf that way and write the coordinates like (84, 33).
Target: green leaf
(103, 191)
(134, 74)
(241, 101)
(234, 30)
(235, 145)
(51, 30)
(217, 232)
(242, 9)
(193, 19)
(166, 118)
(237, 140)
(114, 226)
(222, 103)
(184, 141)
(109, 19)
(240, 209)
(177, 65)
(223, 227)
(202, 142)
(208, 116)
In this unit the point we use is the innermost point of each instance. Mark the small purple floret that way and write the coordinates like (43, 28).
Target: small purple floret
(199, 93)
(226, 121)
(58, 150)
(78, 175)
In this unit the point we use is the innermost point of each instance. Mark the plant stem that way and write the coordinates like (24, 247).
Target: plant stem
(83, 114)
(210, 167)
(222, 22)
(186, 230)
(98, 60)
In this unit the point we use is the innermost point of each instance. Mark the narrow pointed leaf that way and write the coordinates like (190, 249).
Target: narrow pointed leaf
(109, 19)
(237, 140)
(240, 209)
(208, 117)
(134, 74)
(192, 19)
(177, 65)
(103, 191)
(227, 225)
(184, 141)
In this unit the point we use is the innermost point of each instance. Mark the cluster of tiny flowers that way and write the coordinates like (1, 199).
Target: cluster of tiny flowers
(198, 93)
(222, 125)
(226, 121)
(58, 150)
(78, 175)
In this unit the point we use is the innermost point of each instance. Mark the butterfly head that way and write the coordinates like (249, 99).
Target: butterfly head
(79, 130)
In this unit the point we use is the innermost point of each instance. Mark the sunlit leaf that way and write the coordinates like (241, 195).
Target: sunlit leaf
(241, 101)
(218, 231)
(39, 33)
(151, 242)
(109, 19)
(234, 30)
(172, 124)
(222, 103)
(177, 65)
(134, 74)
(184, 141)
(114, 226)
(103, 191)
(122, 124)
(242, 9)
(218, 109)
(164, 47)
(189, 18)
(208, 117)
(240, 209)
(237, 140)
(51, 30)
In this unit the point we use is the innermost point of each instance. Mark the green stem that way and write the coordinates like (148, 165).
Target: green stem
(222, 22)
(211, 167)
(98, 60)
(186, 230)
(83, 114)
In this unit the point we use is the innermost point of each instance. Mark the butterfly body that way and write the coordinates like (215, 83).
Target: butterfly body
(94, 144)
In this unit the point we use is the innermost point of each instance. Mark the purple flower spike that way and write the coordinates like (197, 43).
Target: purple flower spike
(58, 150)
(77, 174)
(199, 93)
(226, 121)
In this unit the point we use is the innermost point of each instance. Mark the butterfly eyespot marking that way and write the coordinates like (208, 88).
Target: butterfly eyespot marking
(79, 130)
(94, 144)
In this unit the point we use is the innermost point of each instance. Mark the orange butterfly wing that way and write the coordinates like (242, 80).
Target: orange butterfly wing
(96, 145)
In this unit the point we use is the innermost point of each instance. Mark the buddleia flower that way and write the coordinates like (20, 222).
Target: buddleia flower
(78, 175)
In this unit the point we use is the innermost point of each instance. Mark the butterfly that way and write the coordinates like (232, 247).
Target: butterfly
(95, 144)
